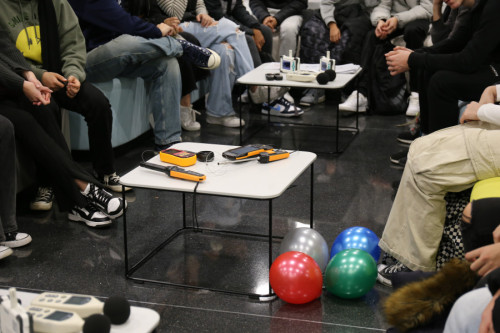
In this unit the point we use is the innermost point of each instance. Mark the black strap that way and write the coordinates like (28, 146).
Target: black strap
(51, 51)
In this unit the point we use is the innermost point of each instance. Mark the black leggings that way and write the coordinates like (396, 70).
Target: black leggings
(38, 134)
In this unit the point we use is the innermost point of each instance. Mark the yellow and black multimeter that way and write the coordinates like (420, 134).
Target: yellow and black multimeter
(178, 157)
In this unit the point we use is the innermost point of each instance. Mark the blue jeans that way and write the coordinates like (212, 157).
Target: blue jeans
(152, 60)
(235, 62)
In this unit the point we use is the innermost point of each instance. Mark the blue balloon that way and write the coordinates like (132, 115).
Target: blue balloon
(357, 238)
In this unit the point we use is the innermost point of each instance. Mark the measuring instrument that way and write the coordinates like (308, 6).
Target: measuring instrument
(247, 151)
(178, 157)
(82, 305)
(50, 320)
(175, 172)
(264, 157)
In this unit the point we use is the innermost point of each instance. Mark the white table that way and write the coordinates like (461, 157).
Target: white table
(141, 320)
(257, 77)
(250, 180)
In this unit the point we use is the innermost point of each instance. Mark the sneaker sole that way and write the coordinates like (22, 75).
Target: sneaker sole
(5, 253)
(348, 109)
(405, 141)
(117, 188)
(382, 280)
(41, 206)
(287, 115)
(320, 100)
(93, 224)
(17, 243)
(218, 122)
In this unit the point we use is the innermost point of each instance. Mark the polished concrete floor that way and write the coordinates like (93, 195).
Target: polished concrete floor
(354, 188)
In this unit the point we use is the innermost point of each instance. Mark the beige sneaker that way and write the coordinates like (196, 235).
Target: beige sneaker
(228, 121)
(188, 119)
(5, 251)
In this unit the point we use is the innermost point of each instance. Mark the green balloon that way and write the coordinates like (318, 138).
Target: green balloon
(351, 273)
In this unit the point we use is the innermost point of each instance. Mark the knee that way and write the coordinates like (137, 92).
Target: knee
(289, 29)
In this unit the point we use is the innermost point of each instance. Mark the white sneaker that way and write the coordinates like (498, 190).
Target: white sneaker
(244, 97)
(5, 251)
(413, 105)
(312, 96)
(228, 121)
(351, 103)
(188, 119)
(260, 95)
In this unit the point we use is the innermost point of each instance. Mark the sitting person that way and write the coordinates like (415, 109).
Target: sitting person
(9, 237)
(120, 44)
(390, 18)
(450, 160)
(457, 68)
(340, 28)
(58, 60)
(37, 130)
(282, 15)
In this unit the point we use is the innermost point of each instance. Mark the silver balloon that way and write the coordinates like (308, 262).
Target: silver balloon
(307, 241)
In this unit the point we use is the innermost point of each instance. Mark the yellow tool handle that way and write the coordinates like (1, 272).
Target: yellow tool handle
(177, 172)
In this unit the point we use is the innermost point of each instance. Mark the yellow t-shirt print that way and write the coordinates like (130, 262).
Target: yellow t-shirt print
(29, 43)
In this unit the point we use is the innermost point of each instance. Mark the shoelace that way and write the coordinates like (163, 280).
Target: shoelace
(100, 196)
(113, 178)
(44, 194)
(395, 268)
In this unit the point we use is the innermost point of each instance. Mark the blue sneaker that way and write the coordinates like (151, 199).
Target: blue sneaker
(281, 107)
(200, 56)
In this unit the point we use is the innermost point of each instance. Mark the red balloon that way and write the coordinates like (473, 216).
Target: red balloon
(296, 278)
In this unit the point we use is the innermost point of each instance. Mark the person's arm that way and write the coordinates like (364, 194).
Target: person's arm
(241, 14)
(421, 11)
(294, 7)
(214, 9)
(382, 12)
(327, 10)
(477, 51)
(484, 110)
(259, 9)
(110, 16)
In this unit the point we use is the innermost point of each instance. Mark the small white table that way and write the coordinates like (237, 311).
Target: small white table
(141, 320)
(250, 180)
(257, 77)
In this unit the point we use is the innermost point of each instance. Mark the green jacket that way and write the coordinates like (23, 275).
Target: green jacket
(24, 28)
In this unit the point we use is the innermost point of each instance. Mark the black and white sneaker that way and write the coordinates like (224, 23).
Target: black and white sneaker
(409, 136)
(399, 158)
(111, 206)
(16, 239)
(90, 215)
(5, 251)
(112, 182)
(43, 199)
(199, 56)
(386, 272)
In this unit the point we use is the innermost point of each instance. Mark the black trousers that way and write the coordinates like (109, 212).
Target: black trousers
(91, 103)
(190, 74)
(38, 134)
(414, 34)
(440, 91)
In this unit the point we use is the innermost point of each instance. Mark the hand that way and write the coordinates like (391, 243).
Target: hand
(397, 61)
(437, 10)
(36, 95)
(390, 25)
(259, 39)
(73, 86)
(53, 81)
(172, 21)
(271, 22)
(334, 32)
(485, 259)
(380, 31)
(166, 30)
(205, 20)
(470, 113)
(486, 325)
(489, 95)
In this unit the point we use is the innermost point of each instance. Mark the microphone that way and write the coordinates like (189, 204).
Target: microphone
(322, 78)
(331, 74)
(117, 309)
(96, 323)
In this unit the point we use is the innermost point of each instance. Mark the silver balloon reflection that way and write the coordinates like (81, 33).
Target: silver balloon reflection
(307, 241)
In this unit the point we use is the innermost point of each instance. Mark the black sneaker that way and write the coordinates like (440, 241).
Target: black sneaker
(112, 182)
(386, 272)
(408, 137)
(16, 239)
(111, 206)
(200, 56)
(90, 215)
(399, 158)
(43, 199)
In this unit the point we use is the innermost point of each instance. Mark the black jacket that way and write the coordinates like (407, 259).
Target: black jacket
(235, 11)
(287, 8)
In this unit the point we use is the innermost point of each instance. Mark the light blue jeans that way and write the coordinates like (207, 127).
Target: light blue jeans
(235, 62)
(152, 60)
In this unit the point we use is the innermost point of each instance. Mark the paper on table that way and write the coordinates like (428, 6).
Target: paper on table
(344, 69)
